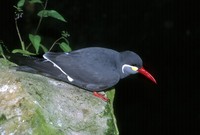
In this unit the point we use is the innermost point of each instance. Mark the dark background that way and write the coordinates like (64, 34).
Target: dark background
(165, 33)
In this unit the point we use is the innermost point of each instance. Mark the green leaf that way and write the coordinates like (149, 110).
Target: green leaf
(35, 40)
(20, 3)
(65, 47)
(66, 41)
(111, 94)
(23, 52)
(44, 48)
(35, 1)
(2, 54)
(51, 13)
(1, 49)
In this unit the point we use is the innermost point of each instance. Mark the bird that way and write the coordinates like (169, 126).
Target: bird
(93, 69)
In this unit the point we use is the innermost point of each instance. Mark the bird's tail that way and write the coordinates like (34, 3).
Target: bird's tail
(25, 63)
(36, 65)
(22, 60)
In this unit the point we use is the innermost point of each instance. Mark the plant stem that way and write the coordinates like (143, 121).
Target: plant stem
(39, 23)
(19, 35)
(55, 43)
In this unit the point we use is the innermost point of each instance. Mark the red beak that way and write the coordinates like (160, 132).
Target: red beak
(147, 74)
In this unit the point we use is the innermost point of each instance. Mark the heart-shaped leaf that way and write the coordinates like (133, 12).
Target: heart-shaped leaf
(65, 47)
(35, 40)
(51, 13)
(20, 3)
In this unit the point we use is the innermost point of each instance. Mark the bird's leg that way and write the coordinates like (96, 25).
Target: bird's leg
(101, 96)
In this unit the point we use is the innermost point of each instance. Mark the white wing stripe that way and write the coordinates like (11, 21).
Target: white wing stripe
(55, 65)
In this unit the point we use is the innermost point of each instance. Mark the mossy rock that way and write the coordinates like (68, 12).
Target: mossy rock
(36, 105)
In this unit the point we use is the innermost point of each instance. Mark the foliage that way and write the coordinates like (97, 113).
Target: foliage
(1, 49)
(35, 39)
(113, 122)
(51, 13)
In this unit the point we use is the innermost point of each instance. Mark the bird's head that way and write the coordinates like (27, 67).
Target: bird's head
(132, 64)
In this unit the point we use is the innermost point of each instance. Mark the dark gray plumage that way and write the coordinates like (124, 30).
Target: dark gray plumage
(93, 69)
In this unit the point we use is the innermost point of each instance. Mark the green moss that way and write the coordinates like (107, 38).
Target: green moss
(41, 127)
(109, 111)
(2, 118)
(5, 63)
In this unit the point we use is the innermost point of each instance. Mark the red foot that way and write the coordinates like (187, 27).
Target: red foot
(101, 96)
